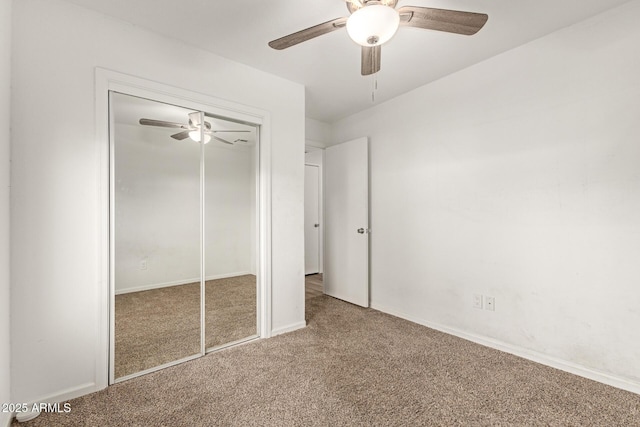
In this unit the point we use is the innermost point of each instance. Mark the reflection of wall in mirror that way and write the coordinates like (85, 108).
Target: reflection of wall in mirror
(157, 219)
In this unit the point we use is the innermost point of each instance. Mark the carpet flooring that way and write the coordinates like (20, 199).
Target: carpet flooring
(354, 367)
(313, 286)
(158, 326)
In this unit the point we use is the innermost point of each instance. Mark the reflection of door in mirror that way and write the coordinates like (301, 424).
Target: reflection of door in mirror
(161, 202)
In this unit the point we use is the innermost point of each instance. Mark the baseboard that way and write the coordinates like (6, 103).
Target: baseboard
(58, 397)
(67, 394)
(180, 282)
(534, 356)
(5, 419)
(289, 328)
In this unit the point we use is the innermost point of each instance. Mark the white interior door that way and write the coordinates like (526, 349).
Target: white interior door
(346, 189)
(311, 219)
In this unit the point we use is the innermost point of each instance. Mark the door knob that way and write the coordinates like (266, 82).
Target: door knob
(361, 230)
(316, 225)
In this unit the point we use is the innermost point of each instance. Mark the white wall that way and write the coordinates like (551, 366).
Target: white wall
(55, 176)
(317, 133)
(518, 178)
(157, 212)
(314, 157)
(229, 210)
(157, 208)
(5, 85)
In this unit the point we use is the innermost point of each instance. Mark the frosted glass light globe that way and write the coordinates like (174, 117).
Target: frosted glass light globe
(195, 135)
(373, 25)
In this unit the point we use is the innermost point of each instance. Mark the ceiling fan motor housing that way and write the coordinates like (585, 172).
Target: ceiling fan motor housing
(354, 5)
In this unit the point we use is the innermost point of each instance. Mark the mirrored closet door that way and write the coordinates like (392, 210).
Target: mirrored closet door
(230, 234)
(183, 234)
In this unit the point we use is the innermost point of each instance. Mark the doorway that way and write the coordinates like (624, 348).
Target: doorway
(311, 219)
(313, 222)
(344, 221)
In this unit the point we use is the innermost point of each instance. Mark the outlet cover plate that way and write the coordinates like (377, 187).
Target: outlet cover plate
(477, 301)
(490, 303)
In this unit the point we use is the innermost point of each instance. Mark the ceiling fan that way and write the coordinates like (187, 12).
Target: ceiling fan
(191, 130)
(374, 22)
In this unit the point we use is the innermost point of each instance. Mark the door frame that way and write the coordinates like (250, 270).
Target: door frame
(108, 80)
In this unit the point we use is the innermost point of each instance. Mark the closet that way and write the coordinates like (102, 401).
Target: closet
(183, 233)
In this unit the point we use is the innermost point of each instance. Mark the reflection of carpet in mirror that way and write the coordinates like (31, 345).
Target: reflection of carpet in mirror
(230, 307)
(162, 325)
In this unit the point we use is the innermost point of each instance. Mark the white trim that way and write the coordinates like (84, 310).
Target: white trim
(112, 248)
(235, 343)
(136, 86)
(264, 227)
(157, 368)
(9, 418)
(315, 144)
(289, 328)
(534, 356)
(67, 394)
(104, 334)
(108, 80)
(203, 256)
(180, 282)
(23, 417)
(63, 396)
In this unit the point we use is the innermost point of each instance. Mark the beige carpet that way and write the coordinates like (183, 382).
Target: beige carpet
(230, 310)
(355, 367)
(162, 325)
(313, 286)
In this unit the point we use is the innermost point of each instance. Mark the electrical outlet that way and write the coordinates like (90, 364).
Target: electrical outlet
(490, 303)
(477, 301)
(143, 264)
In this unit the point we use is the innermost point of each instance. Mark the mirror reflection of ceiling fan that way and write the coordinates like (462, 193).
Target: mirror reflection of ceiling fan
(374, 22)
(192, 130)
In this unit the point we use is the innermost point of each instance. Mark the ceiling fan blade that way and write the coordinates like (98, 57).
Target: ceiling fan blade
(181, 135)
(308, 34)
(370, 60)
(450, 21)
(161, 123)
(222, 140)
(226, 131)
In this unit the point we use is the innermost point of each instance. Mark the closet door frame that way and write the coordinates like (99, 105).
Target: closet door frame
(107, 81)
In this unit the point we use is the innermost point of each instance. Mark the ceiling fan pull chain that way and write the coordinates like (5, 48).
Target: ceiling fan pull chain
(374, 88)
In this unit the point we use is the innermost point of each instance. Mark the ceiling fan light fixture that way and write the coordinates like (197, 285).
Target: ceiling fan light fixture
(195, 135)
(373, 25)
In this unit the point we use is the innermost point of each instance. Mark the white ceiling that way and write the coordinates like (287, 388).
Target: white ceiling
(329, 66)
